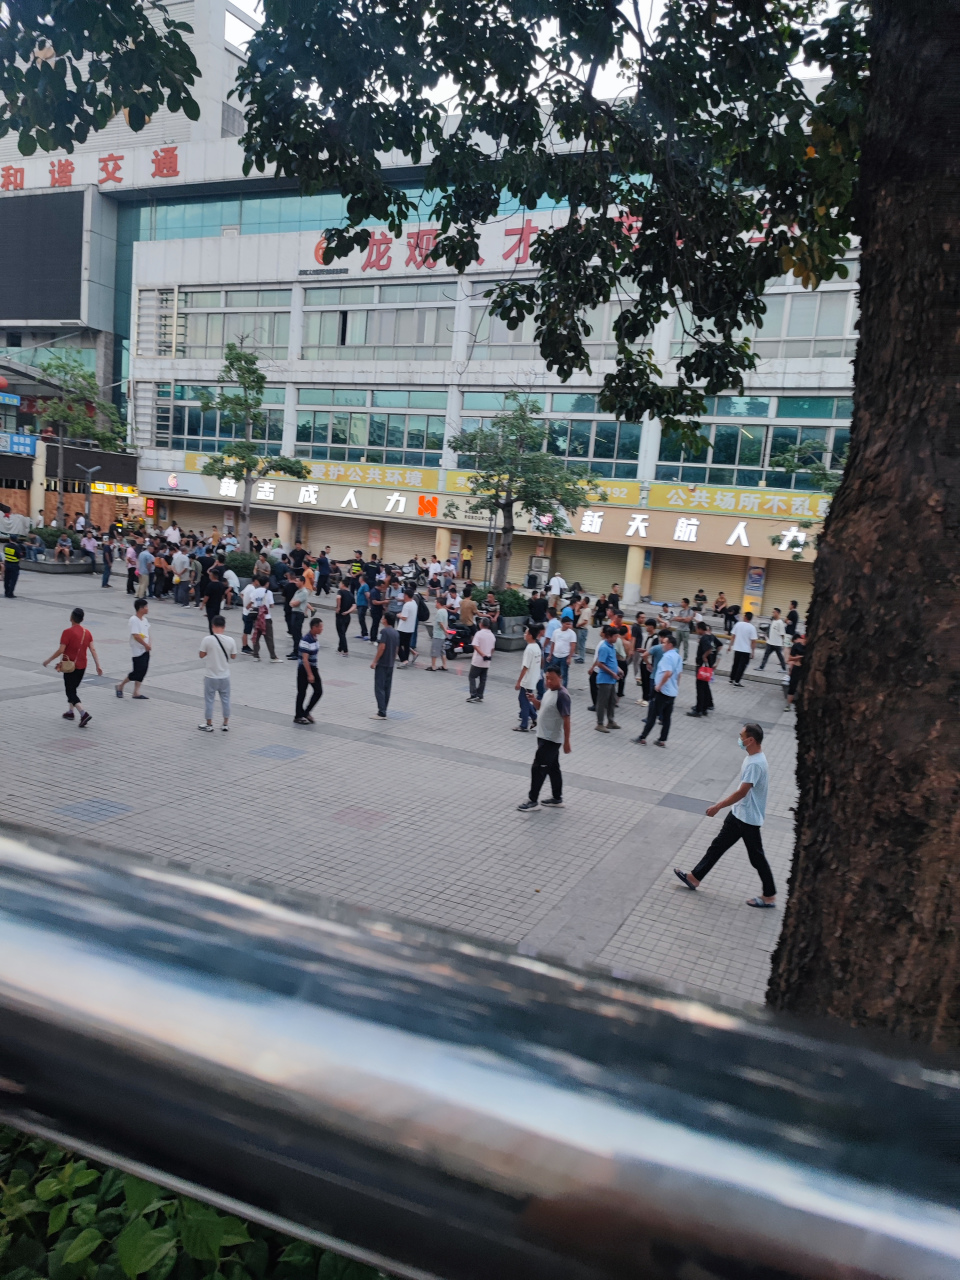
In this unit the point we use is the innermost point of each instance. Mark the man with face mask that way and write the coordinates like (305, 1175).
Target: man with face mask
(748, 808)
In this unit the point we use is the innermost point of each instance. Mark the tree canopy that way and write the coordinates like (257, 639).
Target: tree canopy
(67, 67)
(712, 173)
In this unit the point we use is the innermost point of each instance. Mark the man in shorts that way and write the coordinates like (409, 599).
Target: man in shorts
(140, 649)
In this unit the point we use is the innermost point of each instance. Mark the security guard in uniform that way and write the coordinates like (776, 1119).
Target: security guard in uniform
(12, 555)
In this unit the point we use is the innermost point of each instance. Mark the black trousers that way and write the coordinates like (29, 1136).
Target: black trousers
(645, 681)
(131, 581)
(704, 697)
(403, 650)
(546, 763)
(342, 621)
(740, 662)
(661, 705)
(323, 583)
(622, 664)
(71, 683)
(478, 681)
(592, 680)
(732, 831)
(362, 618)
(11, 573)
(778, 650)
(382, 684)
(303, 684)
(376, 617)
(296, 630)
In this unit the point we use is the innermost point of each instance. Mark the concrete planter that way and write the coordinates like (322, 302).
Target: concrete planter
(50, 566)
(510, 644)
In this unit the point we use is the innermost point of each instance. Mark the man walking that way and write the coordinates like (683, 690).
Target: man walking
(387, 644)
(706, 661)
(107, 551)
(213, 600)
(562, 646)
(553, 731)
(748, 805)
(743, 642)
(684, 623)
(308, 674)
(776, 639)
(140, 649)
(346, 604)
(666, 689)
(261, 605)
(608, 673)
(484, 643)
(217, 651)
(323, 573)
(145, 562)
(529, 677)
(299, 609)
(407, 625)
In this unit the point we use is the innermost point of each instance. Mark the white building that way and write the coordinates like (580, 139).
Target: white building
(162, 252)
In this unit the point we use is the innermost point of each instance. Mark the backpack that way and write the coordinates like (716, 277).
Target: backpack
(423, 612)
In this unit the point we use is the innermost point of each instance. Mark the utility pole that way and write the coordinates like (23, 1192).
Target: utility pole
(89, 472)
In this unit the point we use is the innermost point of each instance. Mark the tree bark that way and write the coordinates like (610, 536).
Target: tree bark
(505, 549)
(872, 931)
(61, 523)
(245, 511)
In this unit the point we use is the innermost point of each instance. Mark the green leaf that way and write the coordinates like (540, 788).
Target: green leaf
(138, 1194)
(83, 1246)
(139, 1247)
(49, 1188)
(57, 1218)
(202, 1231)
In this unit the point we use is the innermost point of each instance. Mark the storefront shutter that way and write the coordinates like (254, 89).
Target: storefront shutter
(787, 580)
(596, 566)
(682, 573)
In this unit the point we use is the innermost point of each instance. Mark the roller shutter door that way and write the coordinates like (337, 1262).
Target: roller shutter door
(403, 540)
(682, 573)
(787, 580)
(523, 548)
(596, 566)
(343, 534)
(198, 515)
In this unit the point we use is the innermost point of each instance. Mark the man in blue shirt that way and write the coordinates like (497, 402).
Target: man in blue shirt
(748, 805)
(608, 673)
(665, 689)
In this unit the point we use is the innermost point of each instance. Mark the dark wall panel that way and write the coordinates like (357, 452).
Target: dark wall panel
(41, 247)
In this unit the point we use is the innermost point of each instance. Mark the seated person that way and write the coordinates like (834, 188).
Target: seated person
(64, 548)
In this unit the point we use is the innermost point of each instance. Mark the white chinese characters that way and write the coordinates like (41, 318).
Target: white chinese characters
(266, 491)
(397, 501)
(638, 525)
(309, 493)
(351, 500)
(792, 539)
(228, 487)
(686, 530)
(592, 522)
(739, 535)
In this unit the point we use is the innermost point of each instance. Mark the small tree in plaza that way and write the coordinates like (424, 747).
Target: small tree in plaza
(512, 472)
(78, 413)
(242, 462)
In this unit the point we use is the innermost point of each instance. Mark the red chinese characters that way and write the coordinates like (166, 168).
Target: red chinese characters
(110, 169)
(165, 163)
(378, 253)
(61, 173)
(419, 245)
(521, 245)
(11, 178)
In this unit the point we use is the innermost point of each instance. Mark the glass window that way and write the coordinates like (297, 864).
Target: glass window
(428, 399)
(804, 407)
(304, 428)
(378, 428)
(398, 293)
(200, 299)
(628, 442)
(841, 443)
(693, 475)
(574, 403)
(748, 479)
(435, 430)
(602, 469)
(670, 448)
(743, 406)
(605, 440)
(416, 431)
(242, 298)
(358, 428)
(813, 443)
(803, 312)
(832, 315)
(625, 471)
(413, 459)
(482, 400)
(193, 421)
(580, 439)
(558, 433)
(431, 459)
(315, 395)
(209, 427)
(772, 322)
(356, 328)
(323, 297)
(843, 407)
(340, 428)
(357, 293)
(274, 395)
(350, 396)
(725, 441)
(274, 424)
(751, 445)
(721, 475)
(784, 438)
(391, 399)
(396, 424)
(668, 472)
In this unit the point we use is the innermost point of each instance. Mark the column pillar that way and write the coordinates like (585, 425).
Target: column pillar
(649, 449)
(647, 577)
(753, 584)
(285, 528)
(633, 575)
(38, 482)
(442, 544)
(288, 444)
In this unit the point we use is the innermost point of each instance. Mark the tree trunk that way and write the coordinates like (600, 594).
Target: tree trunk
(872, 930)
(245, 511)
(61, 523)
(504, 550)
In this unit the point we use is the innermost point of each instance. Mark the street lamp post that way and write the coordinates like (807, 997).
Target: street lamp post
(88, 472)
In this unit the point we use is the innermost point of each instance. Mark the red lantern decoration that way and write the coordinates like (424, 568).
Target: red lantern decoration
(3, 383)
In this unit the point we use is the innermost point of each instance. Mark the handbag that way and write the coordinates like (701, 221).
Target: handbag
(66, 665)
(705, 673)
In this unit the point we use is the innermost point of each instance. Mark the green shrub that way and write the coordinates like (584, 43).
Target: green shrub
(241, 562)
(513, 604)
(70, 1219)
(49, 536)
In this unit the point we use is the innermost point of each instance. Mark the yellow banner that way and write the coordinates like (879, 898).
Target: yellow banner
(750, 502)
(104, 486)
(617, 493)
(365, 473)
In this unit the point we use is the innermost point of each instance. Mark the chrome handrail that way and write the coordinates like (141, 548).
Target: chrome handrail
(444, 1107)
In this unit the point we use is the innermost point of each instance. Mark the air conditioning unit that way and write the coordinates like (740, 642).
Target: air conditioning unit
(540, 564)
(538, 574)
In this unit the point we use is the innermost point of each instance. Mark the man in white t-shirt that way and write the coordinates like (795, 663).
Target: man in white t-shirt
(555, 589)
(140, 648)
(484, 643)
(172, 534)
(561, 646)
(217, 651)
(406, 626)
(249, 613)
(180, 564)
(743, 641)
(529, 677)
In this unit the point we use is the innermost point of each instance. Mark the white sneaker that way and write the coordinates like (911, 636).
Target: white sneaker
(276, 659)
(205, 728)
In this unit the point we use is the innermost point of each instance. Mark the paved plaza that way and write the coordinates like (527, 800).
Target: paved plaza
(416, 815)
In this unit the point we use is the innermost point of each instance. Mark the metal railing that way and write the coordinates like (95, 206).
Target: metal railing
(439, 1106)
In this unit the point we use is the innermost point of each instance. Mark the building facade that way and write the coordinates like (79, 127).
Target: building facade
(376, 362)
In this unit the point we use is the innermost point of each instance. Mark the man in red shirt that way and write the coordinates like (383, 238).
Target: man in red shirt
(75, 643)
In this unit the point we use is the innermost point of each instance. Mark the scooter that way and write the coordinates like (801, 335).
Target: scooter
(459, 640)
